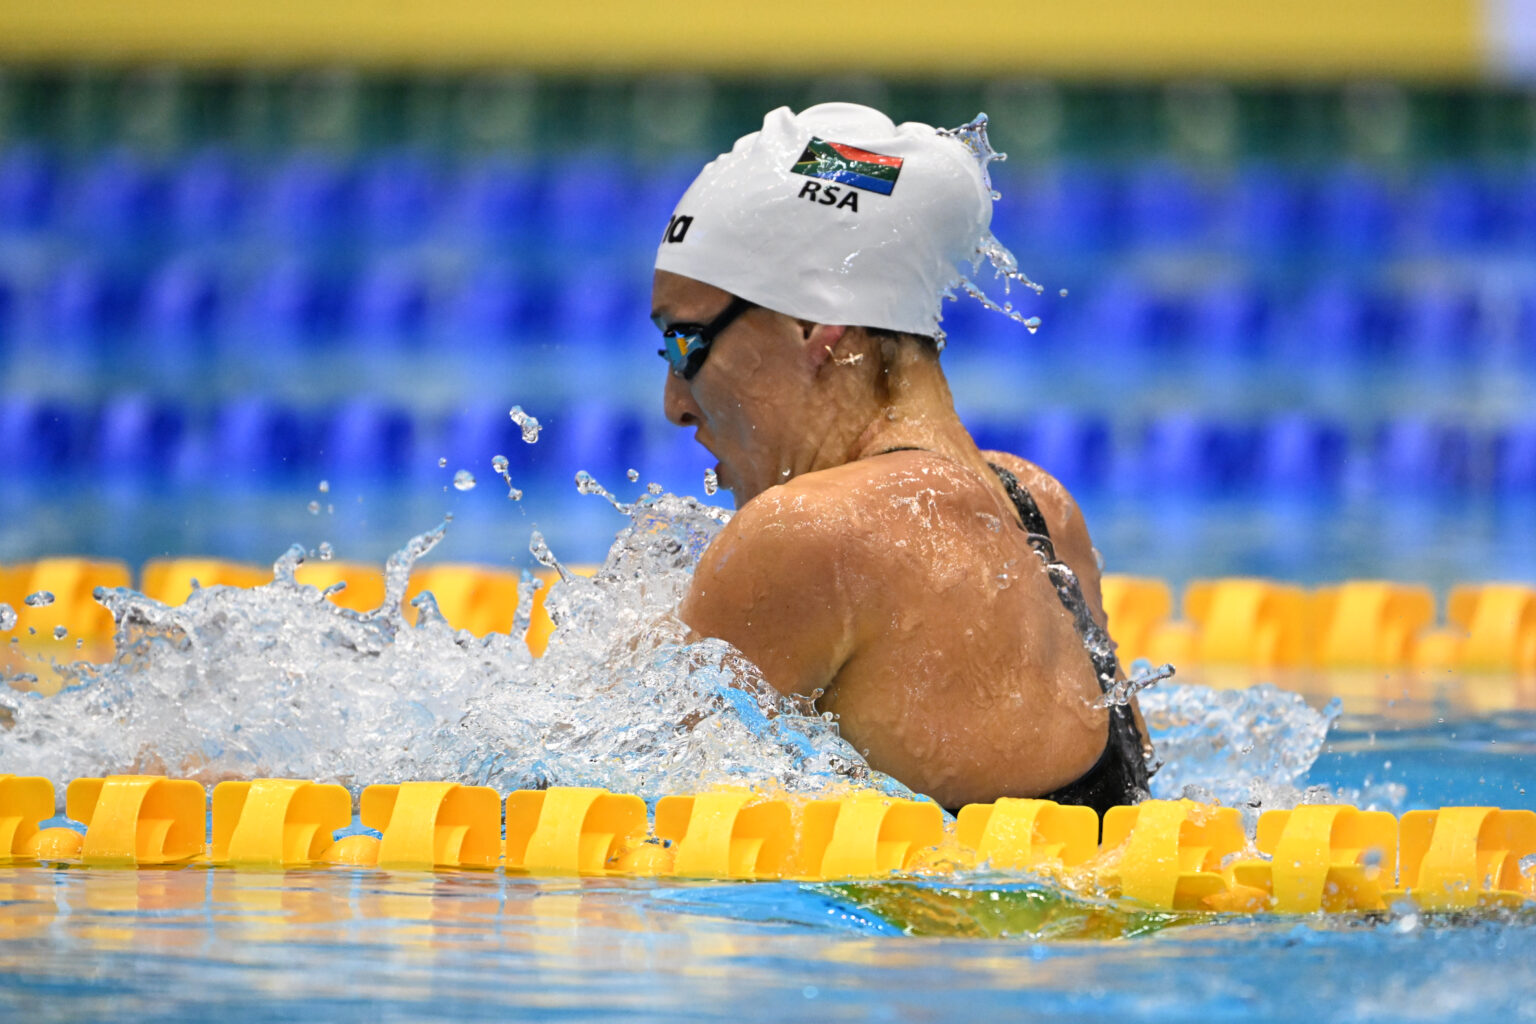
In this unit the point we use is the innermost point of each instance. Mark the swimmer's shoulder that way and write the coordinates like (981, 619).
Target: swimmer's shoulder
(772, 584)
(1056, 504)
(1063, 518)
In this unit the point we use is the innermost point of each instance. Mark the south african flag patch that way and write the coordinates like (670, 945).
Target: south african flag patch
(834, 161)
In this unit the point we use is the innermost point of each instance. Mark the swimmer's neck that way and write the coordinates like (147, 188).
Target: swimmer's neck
(915, 410)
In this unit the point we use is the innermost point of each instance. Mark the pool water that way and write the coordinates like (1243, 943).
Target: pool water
(346, 945)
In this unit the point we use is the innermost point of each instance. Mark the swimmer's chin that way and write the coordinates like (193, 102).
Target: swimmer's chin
(728, 481)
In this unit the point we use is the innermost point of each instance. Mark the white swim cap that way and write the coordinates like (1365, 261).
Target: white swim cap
(839, 216)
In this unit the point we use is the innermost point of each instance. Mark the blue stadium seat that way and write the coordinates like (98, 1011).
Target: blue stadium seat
(309, 200)
(1074, 447)
(38, 436)
(87, 306)
(389, 307)
(1415, 454)
(497, 204)
(1266, 212)
(365, 438)
(597, 437)
(1441, 326)
(289, 304)
(182, 309)
(587, 209)
(1298, 454)
(992, 432)
(1068, 210)
(1185, 450)
(1455, 210)
(1229, 323)
(596, 307)
(208, 197)
(1336, 321)
(255, 439)
(1165, 206)
(28, 188)
(491, 310)
(1123, 318)
(120, 202)
(398, 197)
(137, 437)
(10, 312)
(1514, 458)
(1518, 203)
(1357, 214)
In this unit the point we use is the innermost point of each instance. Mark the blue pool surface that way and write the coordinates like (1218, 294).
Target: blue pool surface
(342, 945)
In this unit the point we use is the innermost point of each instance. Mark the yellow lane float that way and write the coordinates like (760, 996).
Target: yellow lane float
(1372, 625)
(1171, 855)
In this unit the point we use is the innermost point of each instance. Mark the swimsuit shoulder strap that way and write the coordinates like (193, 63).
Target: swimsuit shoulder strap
(1030, 515)
(1096, 643)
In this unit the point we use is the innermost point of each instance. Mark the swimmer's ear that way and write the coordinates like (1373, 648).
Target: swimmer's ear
(820, 341)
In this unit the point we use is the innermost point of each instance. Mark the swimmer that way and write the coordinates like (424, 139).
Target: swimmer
(922, 590)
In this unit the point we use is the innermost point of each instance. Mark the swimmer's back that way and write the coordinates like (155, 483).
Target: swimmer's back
(903, 585)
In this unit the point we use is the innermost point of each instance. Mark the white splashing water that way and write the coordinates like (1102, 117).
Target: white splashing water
(1250, 749)
(973, 136)
(278, 681)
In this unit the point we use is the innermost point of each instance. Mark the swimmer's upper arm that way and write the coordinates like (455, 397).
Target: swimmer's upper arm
(768, 585)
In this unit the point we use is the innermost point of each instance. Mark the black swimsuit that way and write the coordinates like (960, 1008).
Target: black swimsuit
(1120, 774)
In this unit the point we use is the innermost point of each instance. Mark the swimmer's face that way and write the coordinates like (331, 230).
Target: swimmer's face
(743, 401)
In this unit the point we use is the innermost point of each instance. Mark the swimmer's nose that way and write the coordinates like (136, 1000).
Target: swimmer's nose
(678, 402)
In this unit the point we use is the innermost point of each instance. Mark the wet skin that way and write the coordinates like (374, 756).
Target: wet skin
(898, 584)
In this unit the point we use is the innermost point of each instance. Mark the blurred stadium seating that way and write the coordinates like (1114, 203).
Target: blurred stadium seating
(257, 280)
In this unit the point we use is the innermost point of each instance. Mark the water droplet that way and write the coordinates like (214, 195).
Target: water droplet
(545, 557)
(59, 632)
(586, 483)
(711, 482)
(330, 510)
(325, 487)
(634, 475)
(8, 616)
(973, 136)
(1063, 293)
(40, 599)
(464, 480)
(442, 463)
(530, 424)
(1032, 324)
(326, 551)
(653, 488)
(515, 493)
(314, 508)
(499, 464)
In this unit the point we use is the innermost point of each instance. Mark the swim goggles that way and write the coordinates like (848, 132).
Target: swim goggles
(688, 344)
